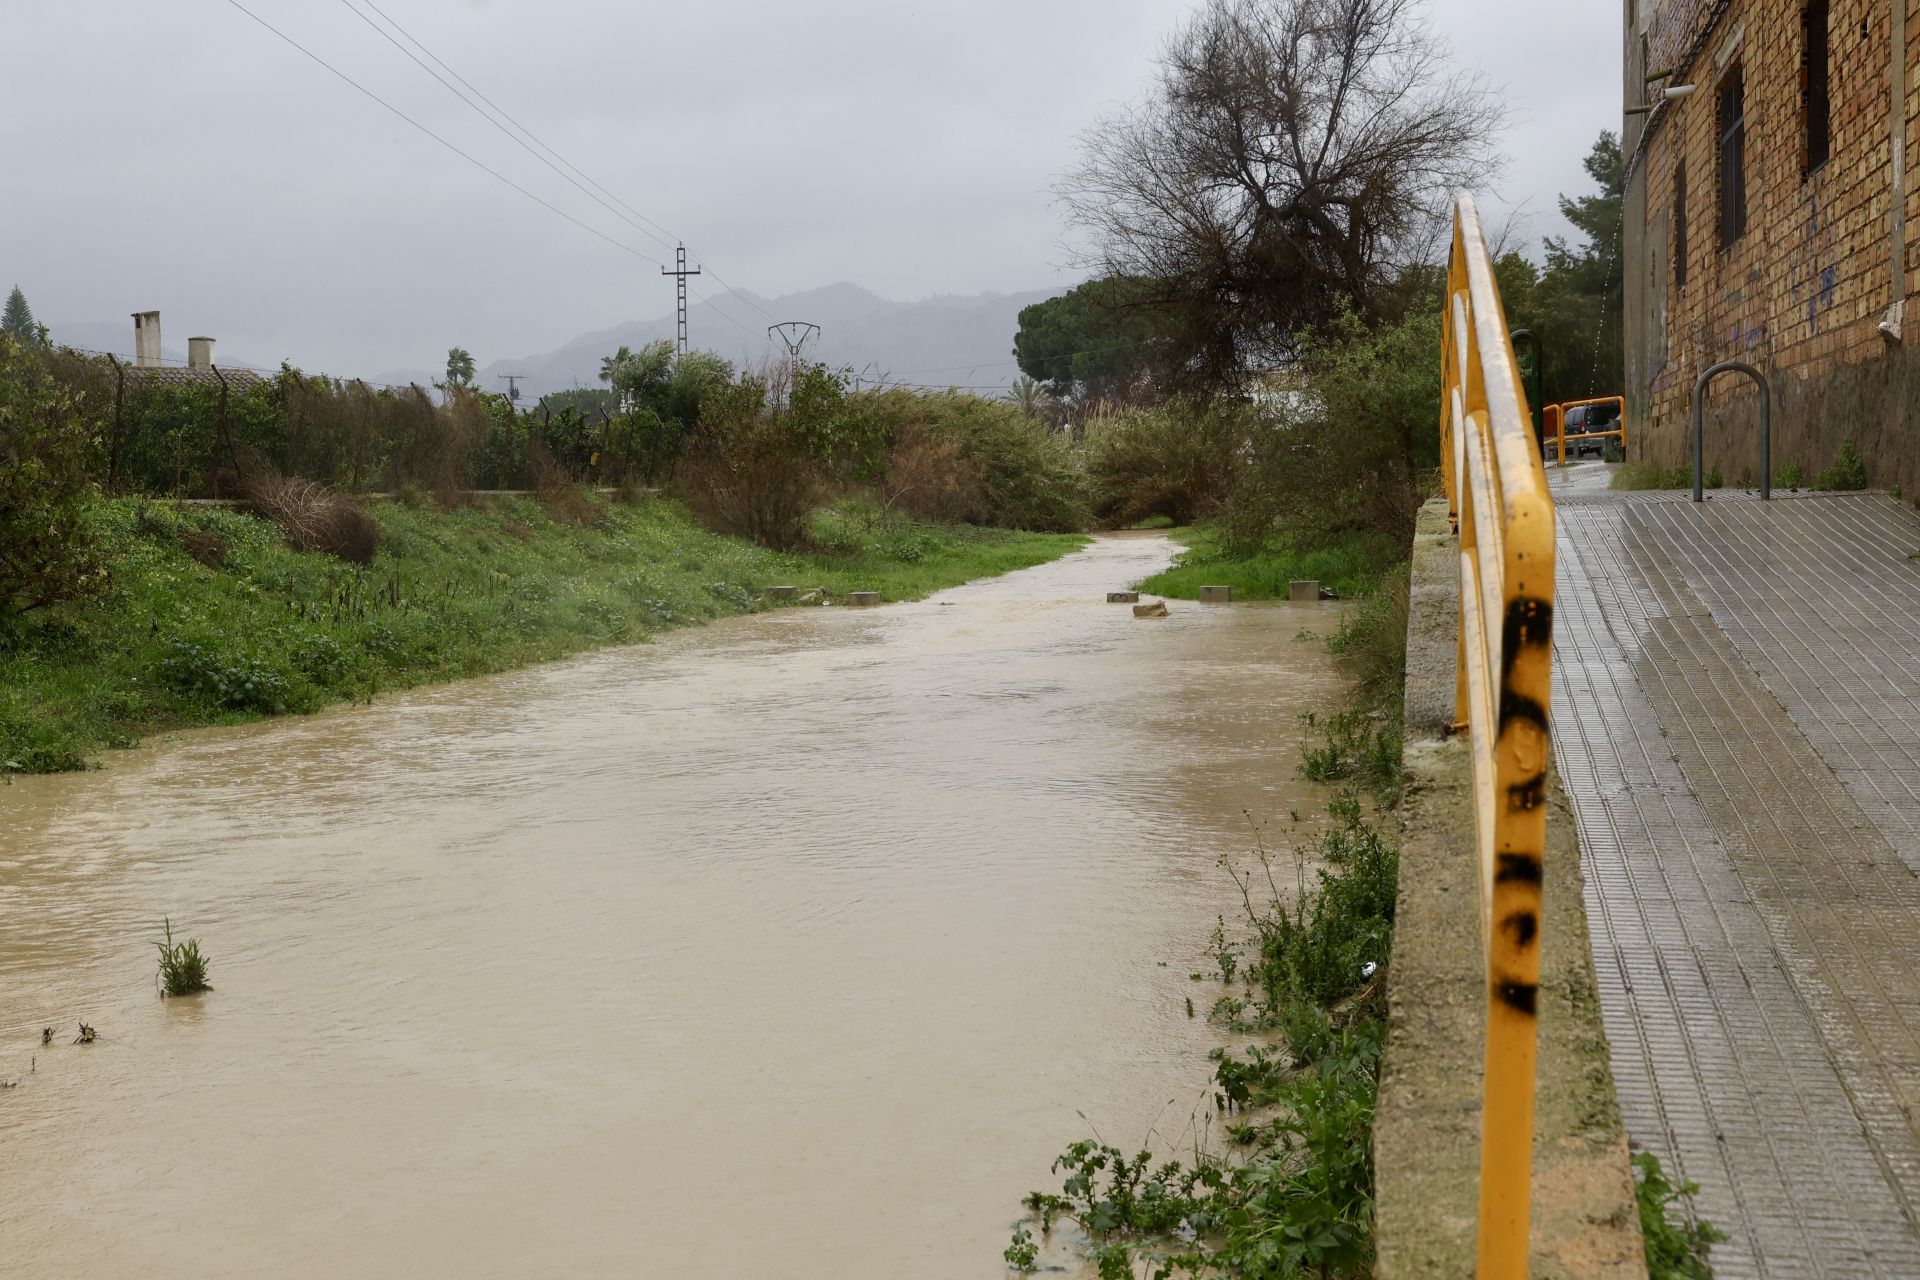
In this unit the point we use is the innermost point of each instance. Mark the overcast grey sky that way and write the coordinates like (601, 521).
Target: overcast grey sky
(179, 156)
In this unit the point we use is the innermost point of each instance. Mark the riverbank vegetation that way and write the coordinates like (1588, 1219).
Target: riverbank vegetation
(210, 616)
(1287, 1187)
(178, 552)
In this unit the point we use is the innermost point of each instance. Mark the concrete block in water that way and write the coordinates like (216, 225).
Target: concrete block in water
(1123, 597)
(780, 593)
(1158, 609)
(1303, 590)
(863, 597)
(1216, 595)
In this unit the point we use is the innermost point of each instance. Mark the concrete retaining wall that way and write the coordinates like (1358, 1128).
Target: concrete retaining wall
(1427, 1128)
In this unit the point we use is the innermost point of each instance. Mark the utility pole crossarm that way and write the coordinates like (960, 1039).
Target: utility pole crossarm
(793, 334)
(680, 274)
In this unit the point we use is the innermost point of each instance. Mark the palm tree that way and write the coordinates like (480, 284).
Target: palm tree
(459, 367)
(1029, 396)
(610, 365)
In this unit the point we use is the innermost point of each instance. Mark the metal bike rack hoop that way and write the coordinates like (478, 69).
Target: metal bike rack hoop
(1766, 424)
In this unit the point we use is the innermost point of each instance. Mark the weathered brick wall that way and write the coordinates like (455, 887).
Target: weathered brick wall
(1802, 293)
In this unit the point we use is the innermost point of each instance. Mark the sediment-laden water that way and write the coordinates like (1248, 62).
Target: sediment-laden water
(786, 947)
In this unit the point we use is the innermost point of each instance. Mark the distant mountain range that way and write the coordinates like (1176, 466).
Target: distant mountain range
(938, 342)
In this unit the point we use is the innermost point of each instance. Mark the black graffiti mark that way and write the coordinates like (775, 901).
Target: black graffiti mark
(1523, 925)
(1528, 622)
(1516, 868)
(1514, 706)
(1521, 997)
(1525, 795)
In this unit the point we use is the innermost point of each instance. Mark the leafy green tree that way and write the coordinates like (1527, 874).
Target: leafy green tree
(47, 549)
(659, 396)
(639, 377)
(1573, 302)
(1092, 342)
(17, 320)
(459, 367)
(672, 386)
(694, 377)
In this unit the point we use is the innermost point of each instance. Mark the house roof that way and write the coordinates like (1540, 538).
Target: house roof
(175, 376)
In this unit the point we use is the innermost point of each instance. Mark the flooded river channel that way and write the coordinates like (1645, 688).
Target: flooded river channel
(788, 946)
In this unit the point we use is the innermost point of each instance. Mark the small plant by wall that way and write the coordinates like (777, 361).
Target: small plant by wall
(1848, 472)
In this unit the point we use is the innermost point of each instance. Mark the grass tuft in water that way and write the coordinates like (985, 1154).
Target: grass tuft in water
(183, 969)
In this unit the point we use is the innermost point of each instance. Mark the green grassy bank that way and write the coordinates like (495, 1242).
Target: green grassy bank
(1350, 565)
(209, 617)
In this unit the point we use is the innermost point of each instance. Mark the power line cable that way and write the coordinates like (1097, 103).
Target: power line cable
(483, 167)
(530, 136)
(415, 59)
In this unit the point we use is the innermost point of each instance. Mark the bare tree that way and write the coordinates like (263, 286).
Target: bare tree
(1293, 156)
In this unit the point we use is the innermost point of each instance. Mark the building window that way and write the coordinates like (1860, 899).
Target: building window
(1815, 105)
(1732, 120)
(1680, 225)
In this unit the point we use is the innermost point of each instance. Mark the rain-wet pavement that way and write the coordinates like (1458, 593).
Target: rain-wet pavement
(1737, 720)
(789, 946)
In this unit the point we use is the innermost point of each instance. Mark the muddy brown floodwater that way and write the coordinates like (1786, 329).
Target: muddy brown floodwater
(789, 946)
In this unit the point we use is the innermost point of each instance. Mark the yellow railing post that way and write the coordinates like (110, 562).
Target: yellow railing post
(1497, 492)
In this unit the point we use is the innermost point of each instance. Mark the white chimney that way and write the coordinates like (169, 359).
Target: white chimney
(200, 353)
(146, 339)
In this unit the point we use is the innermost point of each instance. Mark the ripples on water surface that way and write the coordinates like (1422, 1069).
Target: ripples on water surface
(785, 947)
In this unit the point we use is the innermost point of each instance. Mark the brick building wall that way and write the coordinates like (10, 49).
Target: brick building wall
(1803, 292)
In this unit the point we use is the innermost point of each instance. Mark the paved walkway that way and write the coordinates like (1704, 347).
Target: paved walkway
(1737, 721)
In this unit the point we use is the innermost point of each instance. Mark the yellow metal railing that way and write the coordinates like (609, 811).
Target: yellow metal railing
(1553, 422)
(1497, 493)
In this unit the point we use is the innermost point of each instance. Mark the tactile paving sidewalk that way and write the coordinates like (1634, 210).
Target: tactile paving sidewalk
(1737, 721)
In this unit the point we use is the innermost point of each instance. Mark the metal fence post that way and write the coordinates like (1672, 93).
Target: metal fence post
(113, 446)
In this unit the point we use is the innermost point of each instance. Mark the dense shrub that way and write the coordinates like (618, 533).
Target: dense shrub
(47, 437)
(559, 494)
(747, 473)
(770, 446)
(429, 446)
(961, 457)
(1354, 440)
(1022, 474)
(1848, 471)
(1177, 461)
(219, 677)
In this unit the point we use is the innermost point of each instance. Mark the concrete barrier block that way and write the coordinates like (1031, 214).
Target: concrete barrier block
(1158, 609)
(781, 593)
(1123, 597)
(1216, 595)
(1303, 590)
(863, 597)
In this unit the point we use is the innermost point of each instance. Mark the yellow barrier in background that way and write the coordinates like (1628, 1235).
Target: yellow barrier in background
(1497, 493)
(1556, 415)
